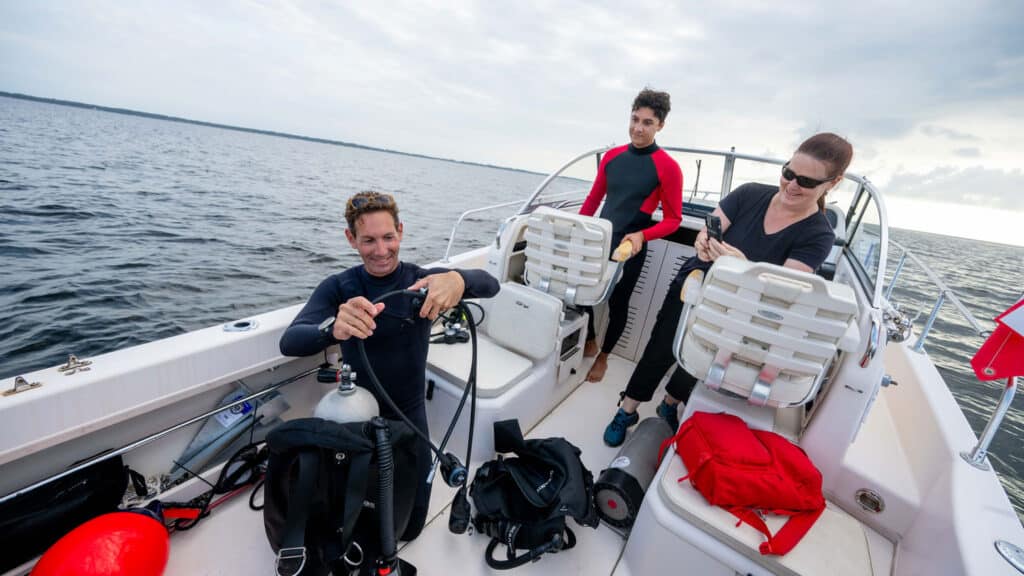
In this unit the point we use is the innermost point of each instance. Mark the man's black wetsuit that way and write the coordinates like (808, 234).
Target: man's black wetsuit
(633, 182)
(397, 349)
(808, 241)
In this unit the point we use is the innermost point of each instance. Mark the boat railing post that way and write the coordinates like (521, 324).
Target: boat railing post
(977, 456)
(727, 171)
(919, 345)
(895, 275)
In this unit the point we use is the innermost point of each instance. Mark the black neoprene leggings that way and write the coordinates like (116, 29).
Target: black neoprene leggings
(658, 357)
(618, 304)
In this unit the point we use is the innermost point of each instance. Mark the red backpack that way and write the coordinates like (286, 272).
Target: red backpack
(746, 471)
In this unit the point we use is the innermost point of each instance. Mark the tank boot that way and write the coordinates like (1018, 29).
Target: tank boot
(615, 432)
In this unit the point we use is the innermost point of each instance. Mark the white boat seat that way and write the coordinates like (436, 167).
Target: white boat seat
(520, 327)
(567, 256)
(765, 332)
(838, 544)
(498, 368)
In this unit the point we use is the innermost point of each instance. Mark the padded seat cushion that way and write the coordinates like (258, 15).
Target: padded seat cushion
(836, 545)
(497, 370)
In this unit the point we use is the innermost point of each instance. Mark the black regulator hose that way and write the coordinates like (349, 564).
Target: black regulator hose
(453, 472)
(385, 494)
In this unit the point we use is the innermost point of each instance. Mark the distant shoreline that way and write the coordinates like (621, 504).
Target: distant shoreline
(128, 112)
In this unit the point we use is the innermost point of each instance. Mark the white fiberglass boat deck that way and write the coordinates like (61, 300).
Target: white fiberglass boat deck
(902, 500)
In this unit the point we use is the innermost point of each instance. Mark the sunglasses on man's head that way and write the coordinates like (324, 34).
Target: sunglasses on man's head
(372, 201)
(801, 181)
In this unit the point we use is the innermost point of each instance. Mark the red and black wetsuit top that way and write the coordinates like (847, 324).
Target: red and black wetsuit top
(634, 181)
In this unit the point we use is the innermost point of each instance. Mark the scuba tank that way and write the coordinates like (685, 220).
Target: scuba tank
(347, 403)
(620, 488)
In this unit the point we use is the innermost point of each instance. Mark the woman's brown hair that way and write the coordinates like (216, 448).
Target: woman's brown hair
(831, 149)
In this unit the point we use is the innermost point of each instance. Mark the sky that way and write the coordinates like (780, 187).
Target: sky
(930, 93)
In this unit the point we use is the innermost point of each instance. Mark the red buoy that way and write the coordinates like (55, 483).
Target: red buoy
(115, 544)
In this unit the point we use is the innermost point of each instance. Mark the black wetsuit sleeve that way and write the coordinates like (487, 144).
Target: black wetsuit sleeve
(302, 338)
(479, 284)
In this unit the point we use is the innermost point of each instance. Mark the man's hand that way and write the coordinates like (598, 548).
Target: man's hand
(717, 249)
(637, 240)
(355, 318)
(443, 291)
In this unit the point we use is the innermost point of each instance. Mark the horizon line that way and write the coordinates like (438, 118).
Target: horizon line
(156, 116)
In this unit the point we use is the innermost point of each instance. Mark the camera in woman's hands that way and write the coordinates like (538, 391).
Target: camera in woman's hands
(714, 225)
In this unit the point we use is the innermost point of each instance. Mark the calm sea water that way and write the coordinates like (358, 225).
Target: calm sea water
(117, 230)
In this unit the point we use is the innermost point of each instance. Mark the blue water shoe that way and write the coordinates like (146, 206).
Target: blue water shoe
(615, 432)
(670, 414)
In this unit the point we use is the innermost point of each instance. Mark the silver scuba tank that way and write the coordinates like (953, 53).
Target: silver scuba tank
(347, 403)
(620, 488)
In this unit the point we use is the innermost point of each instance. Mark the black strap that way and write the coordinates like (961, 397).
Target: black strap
(555, 544)
(291, 557)
(508, 437)
(355, 492)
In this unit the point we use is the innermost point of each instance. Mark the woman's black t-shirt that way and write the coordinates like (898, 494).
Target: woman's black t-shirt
(808, 241)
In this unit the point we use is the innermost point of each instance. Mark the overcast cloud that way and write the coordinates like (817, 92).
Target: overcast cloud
(930, 93)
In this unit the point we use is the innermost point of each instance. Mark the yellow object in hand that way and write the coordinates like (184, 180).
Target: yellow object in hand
(623, 252)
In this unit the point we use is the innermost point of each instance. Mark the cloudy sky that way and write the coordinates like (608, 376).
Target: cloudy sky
(931, 93)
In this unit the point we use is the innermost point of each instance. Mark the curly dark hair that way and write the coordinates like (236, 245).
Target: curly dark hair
(659, 102)
(366, 202)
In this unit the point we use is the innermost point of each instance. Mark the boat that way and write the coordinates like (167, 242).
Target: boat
(907, 483)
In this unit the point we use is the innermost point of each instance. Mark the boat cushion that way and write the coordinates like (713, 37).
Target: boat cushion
(497, 370)
(838, 544)
(523, 320)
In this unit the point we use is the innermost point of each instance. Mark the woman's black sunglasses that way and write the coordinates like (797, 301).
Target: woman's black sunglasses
(802, 181)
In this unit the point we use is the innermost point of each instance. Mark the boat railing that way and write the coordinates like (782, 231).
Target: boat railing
(872, 279)
(944, 293)
(470, 212)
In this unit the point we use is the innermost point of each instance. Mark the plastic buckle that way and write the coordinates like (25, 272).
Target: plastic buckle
(290, 554)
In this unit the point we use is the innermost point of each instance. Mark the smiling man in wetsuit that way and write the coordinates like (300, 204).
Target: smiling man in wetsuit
(396, 336)
(633, 180)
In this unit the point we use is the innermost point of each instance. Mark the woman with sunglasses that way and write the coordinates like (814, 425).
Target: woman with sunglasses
(783, 225)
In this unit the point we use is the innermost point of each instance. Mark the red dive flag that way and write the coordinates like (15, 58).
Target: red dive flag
(1002, 355)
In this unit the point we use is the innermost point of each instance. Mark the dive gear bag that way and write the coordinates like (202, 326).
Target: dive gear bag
(522, 501)
(748, 472)
(31, 522)
(320, 476)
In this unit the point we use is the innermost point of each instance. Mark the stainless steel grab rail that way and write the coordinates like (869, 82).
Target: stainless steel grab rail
(945, 292)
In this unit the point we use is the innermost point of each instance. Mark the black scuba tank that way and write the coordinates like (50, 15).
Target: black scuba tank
(620, 488)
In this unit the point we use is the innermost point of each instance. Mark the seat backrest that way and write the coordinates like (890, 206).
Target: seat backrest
(523, 320)
(567, 256)
(767, 333)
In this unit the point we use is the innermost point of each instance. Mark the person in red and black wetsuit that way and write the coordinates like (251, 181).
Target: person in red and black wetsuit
(633, 180)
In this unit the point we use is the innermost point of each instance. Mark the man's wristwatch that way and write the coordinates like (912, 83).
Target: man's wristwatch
(327, 326)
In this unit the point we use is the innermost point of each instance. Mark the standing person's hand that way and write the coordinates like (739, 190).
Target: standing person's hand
(443, 291)
(355, 318)
(637, 240)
